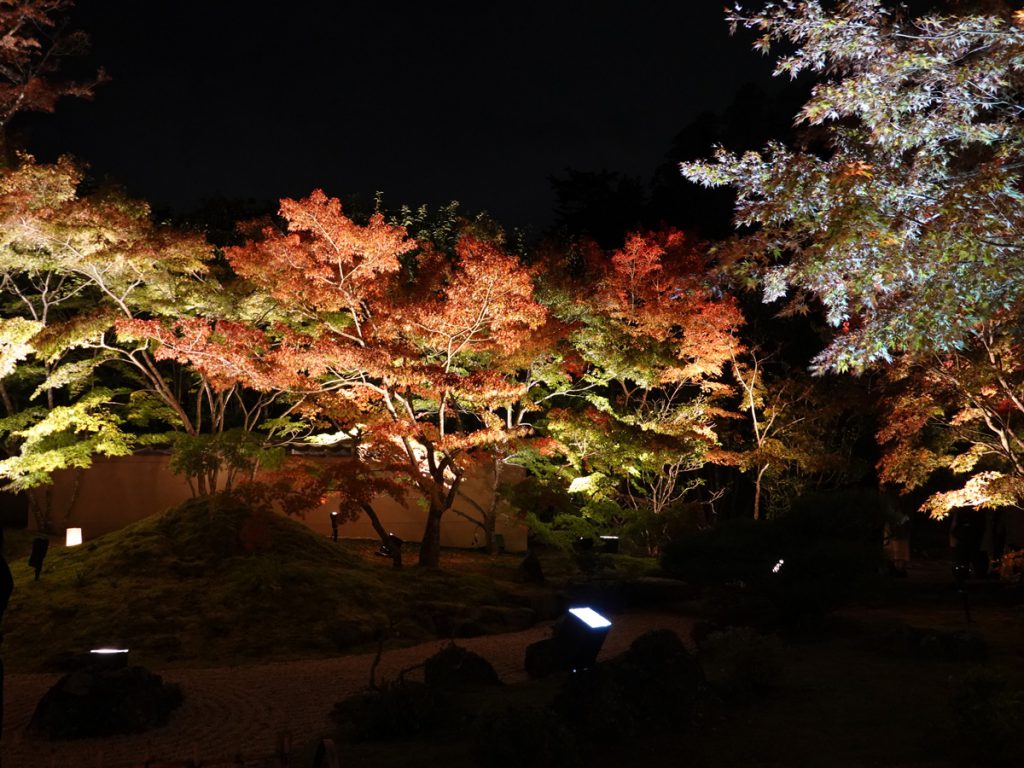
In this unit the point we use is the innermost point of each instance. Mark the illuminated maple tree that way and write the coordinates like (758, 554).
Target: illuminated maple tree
(789, 431)
(961, 412)
(654, 337)
(70, 268)
(905, 222)
(405, 353)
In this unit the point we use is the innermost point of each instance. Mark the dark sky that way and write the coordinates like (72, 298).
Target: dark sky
(479, 102)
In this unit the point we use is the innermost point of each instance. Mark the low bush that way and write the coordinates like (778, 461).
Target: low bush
(740, 661)
(989, 719)
(655, 684)
(453, 668)
(797, 565)
(935, 644)
(396, 711)
(525, 736)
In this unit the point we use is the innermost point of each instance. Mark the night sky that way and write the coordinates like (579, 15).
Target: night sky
(479, 102)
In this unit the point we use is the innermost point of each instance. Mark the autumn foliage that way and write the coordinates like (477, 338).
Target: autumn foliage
(410, 355)
(33, 43)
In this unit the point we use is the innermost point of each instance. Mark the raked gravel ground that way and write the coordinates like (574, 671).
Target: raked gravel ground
(230, 711)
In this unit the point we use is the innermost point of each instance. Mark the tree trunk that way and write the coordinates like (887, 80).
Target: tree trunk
(385, 537)
(200, 485)
(491, 515)
(489, 543)
(41, 510)
(430, 547)
(75, 488)
(757, 491)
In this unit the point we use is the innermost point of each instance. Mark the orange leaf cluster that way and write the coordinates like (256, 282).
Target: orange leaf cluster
(325, 261)
(658, 288)
(224, 352)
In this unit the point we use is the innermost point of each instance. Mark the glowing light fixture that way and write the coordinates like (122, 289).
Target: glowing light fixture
(108, 651)
(578, 638)
(778, 566)
(73, 537)
(590, 617)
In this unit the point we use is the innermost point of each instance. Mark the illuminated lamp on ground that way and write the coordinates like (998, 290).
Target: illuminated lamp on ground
(610, 545)
(73, 537)
(106, 658)
(579, 636)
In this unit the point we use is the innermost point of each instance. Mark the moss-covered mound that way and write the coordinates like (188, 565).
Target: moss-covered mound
(213, 581)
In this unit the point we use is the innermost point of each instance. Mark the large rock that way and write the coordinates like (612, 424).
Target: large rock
(102, 700)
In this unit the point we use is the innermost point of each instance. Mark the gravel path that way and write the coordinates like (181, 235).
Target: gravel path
(241, 710)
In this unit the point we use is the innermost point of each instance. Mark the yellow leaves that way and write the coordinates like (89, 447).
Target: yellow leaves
(1018, 19)
(983, 490)
(885, 239)
(15, 342)
(36, 186)
(965, 462)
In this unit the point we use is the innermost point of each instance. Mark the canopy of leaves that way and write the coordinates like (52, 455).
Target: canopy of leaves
(907, 224)
(960, 412)
(652, 337)
(33, 42)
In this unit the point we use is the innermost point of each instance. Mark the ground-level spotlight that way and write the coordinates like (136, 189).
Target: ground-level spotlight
(610, 545)
(579, 636)
(106, 658)
(73, 537)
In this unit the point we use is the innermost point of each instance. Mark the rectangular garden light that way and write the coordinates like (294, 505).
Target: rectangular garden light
(590, 617)
(610, 545)
(106, 658)
(578, 639)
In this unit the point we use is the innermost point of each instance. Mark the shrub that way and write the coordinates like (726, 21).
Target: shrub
(734, 550)
(740, 661)
(1011, 566)
(989, 720)
(734, 606)
(396, 711)
(654, 684)
(797, 563)
(454, 667)
(529, 736)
